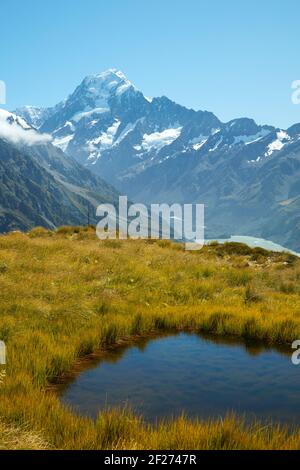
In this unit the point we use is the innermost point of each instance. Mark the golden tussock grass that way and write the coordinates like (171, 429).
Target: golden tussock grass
(66, 294)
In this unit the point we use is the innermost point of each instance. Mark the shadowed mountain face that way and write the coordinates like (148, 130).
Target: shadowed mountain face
(40, 185)
(155, 150)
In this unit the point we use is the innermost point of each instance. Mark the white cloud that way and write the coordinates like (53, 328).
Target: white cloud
(17, 131)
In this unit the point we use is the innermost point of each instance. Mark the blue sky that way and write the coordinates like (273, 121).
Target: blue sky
(231, 57)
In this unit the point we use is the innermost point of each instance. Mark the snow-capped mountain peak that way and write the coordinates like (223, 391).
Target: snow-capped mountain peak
(33, 115)
(16, 130)
(12, 119)
(105, 84)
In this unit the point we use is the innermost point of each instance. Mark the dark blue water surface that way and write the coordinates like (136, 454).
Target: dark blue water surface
(166, 376)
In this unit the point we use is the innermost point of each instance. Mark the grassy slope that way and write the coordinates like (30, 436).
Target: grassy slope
(65, 294)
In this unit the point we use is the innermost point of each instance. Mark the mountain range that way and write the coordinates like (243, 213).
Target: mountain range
(40, 185)
(155, 150)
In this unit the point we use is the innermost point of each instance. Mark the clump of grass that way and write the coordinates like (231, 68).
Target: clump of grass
(231, 248)
(103, 308)
(204, 273)
(39, 232)
(213, 243)
(287, 287)
(202, 291)
(252, 295)
(284, 330)
(251, 329)
(117, 427)
(71, 230)
(238, 277)
(160, 323)
(68, 230)
(137, 324)
(112, 243)
(217, 323)
(3, 268)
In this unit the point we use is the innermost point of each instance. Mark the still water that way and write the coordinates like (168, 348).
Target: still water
(254, 242)
(201, 376)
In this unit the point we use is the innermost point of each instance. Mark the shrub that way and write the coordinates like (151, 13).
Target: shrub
(39, 232)
(3, 267)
